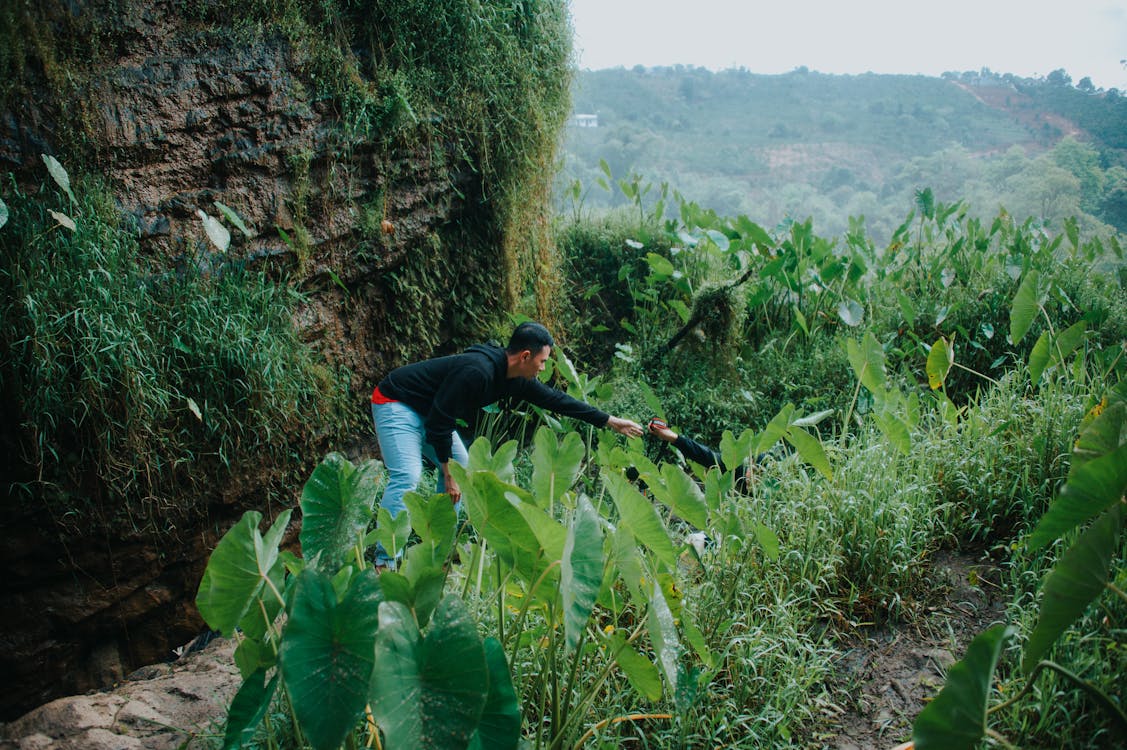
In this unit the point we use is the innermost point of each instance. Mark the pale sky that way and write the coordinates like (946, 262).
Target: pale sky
(1029, 38)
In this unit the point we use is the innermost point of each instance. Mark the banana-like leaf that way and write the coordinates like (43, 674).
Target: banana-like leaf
(641, 673)
(810, 450)
(868, 360)
(429, 691)
(639, 516)
(59, 175)
(215, 231)
(939, 362)
(326, 656)
(1024, 309)
(581, 570)
(956, 719)
(663, 635)
(238, 571)
(1076, 580)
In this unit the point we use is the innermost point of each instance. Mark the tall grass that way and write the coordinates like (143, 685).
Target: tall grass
(145, 387)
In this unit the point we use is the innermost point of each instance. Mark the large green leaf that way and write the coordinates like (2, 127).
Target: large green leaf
(500, 463)
(1092, 488)
(3, 214)
(492, 508)
(499, 727)
(685, 496)
(1039, 357)
(248, 707)
(867, 359)
(435, 521)
(1078, 577)
(1068, 339)
(956, 719)
(734, 451)
(238, 571)
(663, 635)
(850, 312)
(641, 518)
(326, 654)
(336, 505)
(640, 671)
(810, 449)
(555, 465)
(581, 569)
(939, 362)
(428, 692)
(772, 433)
(1025, 306)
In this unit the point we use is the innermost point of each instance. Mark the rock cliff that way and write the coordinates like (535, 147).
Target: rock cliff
(178, 110)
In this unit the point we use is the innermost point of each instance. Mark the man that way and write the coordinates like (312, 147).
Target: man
(416, 407)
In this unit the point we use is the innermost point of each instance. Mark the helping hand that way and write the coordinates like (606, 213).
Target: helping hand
(626, 427)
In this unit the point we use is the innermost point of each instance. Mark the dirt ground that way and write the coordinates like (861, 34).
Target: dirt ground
(891, 673)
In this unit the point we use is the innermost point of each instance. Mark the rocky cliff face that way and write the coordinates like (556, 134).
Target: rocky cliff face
(177, 116)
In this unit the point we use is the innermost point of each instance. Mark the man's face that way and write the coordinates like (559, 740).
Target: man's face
(532, 364)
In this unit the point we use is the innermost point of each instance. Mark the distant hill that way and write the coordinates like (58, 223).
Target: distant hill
(806, 144)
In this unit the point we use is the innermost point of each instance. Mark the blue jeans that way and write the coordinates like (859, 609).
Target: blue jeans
(403, 443)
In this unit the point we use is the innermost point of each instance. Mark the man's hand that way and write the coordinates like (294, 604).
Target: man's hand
(625, 427)
(452, 488)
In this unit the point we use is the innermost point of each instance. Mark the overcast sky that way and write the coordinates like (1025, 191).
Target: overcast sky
(1029, 38)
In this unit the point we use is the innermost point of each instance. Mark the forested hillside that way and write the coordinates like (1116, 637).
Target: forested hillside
(828, 147)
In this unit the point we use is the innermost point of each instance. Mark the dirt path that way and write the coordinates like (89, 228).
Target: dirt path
(891, 673)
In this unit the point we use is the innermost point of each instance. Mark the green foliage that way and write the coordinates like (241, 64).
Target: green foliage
(138, 390)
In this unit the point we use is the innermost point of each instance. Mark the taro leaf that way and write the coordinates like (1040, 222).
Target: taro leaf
(734, 450)
(495, 517)
(430, 691)
(3, 213)
(813, 419)
(640, 671)
(639, 516)
(1093, 484)
(326, 656)
(663, 636)
(1079, 576)
(434, 520)
(719, 239)
(337, 506)
(555, 465)
(391, 533)
(252, 655)
(500, 463)
(867, 359)
(238, 571)
(59, 175)
(1068, 339)
(895, 430)
(1039, 357)
(63, 220)
(939, 362)
(775, 430)
(581, 570)
(420, 585)
(810, 450)
(1025, 306)
(627, 560)
(660, 265)
(234, 218)
(247, 710)
(850, 312)
(956, 719)
(499, 726)
(651, 399)
(685, 496)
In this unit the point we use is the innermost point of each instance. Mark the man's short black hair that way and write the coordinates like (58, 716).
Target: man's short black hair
(530, 336)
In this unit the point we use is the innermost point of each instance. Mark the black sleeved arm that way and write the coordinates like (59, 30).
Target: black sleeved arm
(556, 401)
(699, 453)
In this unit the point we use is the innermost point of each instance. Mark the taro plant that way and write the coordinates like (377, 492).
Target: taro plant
(1093, 495)
(391, 653)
